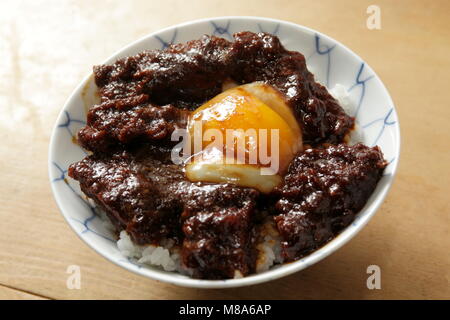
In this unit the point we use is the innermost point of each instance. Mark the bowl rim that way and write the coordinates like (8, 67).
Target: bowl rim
(283, 270)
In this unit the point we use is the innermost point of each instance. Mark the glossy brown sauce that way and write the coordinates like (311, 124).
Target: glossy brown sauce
(131, 177)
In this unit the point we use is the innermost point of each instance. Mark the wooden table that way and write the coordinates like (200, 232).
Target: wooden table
(46, 48)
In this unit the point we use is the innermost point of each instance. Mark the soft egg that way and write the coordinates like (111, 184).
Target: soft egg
(246, 135)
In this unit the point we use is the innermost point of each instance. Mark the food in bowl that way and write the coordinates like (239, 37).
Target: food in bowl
(210, 214)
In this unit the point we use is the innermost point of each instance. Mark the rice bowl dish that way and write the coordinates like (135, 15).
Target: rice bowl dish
(272, 247)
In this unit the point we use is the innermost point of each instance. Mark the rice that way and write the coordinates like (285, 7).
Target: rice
(167, 256)
(341, 95)
(269, 249)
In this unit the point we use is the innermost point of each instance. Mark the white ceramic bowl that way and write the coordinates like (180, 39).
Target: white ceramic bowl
(329, 60)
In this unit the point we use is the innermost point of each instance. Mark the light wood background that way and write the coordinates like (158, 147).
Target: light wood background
(47, 47)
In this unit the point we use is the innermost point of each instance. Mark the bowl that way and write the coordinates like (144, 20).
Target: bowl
(330, 61)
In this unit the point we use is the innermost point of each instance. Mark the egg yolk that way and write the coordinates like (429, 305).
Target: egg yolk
(247, 135)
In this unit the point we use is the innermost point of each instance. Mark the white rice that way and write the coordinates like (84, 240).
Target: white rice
(167, 256)
(269, 249)
(341, 95)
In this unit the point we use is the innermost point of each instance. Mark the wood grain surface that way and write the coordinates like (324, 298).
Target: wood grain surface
(47, 47)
